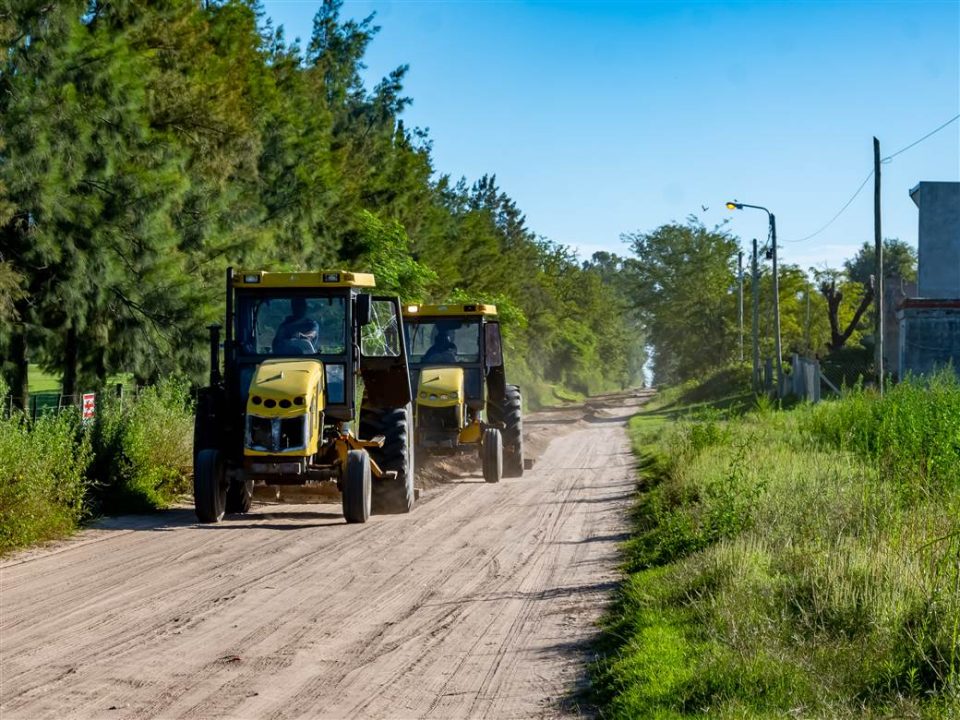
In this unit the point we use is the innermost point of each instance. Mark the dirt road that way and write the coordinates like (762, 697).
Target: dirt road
(479, 604)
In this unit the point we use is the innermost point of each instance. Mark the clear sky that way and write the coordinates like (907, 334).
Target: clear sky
(601, 118)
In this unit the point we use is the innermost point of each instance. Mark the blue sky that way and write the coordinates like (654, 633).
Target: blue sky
(600, 118)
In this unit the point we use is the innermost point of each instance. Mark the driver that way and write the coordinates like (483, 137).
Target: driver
(297, 333)
(443, 350)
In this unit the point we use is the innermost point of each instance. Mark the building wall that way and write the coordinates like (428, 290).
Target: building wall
(939, 239)
(895, 291)
(929, 339)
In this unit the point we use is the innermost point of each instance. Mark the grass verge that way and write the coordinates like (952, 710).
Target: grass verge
(801, 563)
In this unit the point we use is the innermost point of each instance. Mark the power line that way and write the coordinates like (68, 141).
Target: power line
(887, 159)
(839, 212)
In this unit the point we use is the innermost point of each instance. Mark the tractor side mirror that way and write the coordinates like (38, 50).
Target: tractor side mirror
(492, 345)
(364, 309)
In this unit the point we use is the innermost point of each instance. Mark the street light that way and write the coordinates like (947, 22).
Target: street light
(776, 284)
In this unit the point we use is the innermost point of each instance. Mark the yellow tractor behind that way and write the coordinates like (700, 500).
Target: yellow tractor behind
(461, 398)
(314, 397)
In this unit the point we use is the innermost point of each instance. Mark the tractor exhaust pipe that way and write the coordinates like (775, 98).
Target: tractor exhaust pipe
(215, 376)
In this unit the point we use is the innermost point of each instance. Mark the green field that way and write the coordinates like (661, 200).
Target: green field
(41, 381)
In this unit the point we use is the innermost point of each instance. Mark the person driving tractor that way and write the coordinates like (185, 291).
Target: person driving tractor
(443, 350)
(297, 333)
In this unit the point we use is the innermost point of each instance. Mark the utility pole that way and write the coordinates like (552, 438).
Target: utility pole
(755, 286)
(806, 324)
(776, 305)
(740, 298)
(878, 270)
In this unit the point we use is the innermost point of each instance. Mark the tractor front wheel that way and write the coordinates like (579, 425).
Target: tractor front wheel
(356, 487)
(209, 486)
(491, 455)
(396, 426)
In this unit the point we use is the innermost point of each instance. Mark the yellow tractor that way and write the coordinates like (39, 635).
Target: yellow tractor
(314, 396)
(461, 397)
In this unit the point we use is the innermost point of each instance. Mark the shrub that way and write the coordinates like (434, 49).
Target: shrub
(42, 478)
(143, 449)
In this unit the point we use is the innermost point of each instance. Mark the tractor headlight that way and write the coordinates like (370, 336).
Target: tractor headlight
(454, 395)
(444, 396)
(423, 395)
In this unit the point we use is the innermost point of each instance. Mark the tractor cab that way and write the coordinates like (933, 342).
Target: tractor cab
(313, 392)
(461, 399)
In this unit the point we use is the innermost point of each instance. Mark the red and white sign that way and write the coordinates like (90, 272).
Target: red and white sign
(89, 406)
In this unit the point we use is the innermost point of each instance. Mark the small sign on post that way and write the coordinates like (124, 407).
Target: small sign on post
(89, 407)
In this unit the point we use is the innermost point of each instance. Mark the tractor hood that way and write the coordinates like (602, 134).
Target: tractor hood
(285, 388)
(440, 386)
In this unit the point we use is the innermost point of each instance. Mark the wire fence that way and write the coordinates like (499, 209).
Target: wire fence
(51, 402)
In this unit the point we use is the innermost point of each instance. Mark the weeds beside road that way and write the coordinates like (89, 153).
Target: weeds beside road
(802, 562)
(55, 472)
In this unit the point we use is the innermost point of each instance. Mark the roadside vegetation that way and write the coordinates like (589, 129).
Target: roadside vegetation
(56, 472)
(801, 563)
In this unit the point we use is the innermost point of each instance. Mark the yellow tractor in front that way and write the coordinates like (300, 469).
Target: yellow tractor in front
(314, 397)
(461, 398)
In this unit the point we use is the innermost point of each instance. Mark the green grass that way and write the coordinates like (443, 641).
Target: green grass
(41, 381)
(44, 382)
(803, 563)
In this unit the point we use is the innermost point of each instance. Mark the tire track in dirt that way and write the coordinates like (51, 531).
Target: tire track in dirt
(479, 604)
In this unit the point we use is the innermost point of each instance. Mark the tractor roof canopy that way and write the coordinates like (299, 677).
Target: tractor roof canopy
(254, 279)
(449, 310)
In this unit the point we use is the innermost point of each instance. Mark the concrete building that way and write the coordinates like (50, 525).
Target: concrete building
(929, 324)
(895, 291)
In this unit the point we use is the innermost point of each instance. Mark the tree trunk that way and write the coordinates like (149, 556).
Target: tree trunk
(834, 297)
(19, 376)
(70, 361)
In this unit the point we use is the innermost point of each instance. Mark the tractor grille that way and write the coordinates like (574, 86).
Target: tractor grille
(443, 419)
(292, 433)
(276, 434)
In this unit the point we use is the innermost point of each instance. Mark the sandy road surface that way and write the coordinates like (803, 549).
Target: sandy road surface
(479, 604)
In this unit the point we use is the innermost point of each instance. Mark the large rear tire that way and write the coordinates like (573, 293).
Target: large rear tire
(239, 496)
(509, 411)
(396, 426)
(355, 490)
(209, 486)
(491, 455)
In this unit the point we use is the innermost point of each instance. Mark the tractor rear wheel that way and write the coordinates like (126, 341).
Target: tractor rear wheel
(239, 496)
(509, 411)
(396, 426)
(356, 487)
(209, 486)
(491, 455)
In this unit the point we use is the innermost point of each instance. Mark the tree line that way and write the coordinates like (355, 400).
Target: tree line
(145, 146)
(684, 280)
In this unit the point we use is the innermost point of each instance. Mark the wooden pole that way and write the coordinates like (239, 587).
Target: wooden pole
(740, 298)
(776, 305)
(755, 327)
(878, 269)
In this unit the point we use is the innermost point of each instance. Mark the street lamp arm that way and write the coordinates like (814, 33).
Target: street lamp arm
(755, 207)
